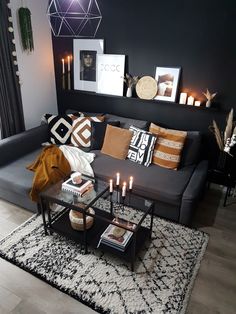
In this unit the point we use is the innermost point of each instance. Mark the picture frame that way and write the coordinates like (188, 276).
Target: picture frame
(85, 63)
(168, 81)
(110, 74)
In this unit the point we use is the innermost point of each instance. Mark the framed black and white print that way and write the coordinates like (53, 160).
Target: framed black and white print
(85, 63)
(167, 81)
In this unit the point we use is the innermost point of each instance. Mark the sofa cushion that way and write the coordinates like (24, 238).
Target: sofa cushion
(168, 148)
(141, 146)
(116, 142)
(127, 122)
(192, 148)
(16, 177)
(59, 127)
(155, 182)
(98, 131)
(81, 131)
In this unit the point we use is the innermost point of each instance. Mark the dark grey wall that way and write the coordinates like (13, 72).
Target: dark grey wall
(197, 35)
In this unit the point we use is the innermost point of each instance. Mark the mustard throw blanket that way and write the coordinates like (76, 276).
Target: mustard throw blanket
(50, 167)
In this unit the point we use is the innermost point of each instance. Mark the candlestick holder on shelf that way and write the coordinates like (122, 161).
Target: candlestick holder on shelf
(68, 81)
(63, 81)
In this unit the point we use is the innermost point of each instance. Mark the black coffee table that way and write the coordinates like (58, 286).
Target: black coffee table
(59, 221)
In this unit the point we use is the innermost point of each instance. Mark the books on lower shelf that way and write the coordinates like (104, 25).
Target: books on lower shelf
(116, 236)
(78, 189)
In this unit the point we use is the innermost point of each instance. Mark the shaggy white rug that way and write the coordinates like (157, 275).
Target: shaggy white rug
(165, 268)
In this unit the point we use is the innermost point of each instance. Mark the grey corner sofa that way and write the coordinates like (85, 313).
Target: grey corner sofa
(176, 193)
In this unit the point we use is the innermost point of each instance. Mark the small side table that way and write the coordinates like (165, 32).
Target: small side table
(222, 178)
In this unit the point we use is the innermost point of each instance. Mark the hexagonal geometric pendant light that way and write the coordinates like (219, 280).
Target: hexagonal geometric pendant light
(74, 18)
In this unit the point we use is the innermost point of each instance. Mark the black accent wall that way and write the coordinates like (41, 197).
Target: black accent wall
(197, 35)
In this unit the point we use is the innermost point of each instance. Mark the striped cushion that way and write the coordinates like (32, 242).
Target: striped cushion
(141, 146)
(81, 130)
(168, 148)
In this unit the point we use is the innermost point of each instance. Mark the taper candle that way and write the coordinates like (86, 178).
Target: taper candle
(68, 60)
(63, 66)
(117, 178)
(131, 180)
(123, 189)
(111, 186)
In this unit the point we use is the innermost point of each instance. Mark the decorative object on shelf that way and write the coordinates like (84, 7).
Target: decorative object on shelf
(26, 29)
(209, 97)
(63, 74)
(146, 87)
(110, 73)
(130, 81)
(168, 81)
(76, 218)
(225, 140)
(190, 101)
(197, 103)
(183, 98)
(85, 63)
(74, 18)
(68, 73)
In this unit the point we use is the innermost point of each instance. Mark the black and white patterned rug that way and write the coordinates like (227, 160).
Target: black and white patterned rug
(162, 281)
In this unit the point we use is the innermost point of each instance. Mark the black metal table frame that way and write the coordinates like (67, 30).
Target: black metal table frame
(46, 211)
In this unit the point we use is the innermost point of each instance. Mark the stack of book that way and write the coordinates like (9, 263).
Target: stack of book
(116, 236)
(78, 189)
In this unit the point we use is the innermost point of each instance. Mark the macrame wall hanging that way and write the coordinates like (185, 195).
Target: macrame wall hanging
(26, 29)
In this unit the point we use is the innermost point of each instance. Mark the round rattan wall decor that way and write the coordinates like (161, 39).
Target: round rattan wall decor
(146, 88)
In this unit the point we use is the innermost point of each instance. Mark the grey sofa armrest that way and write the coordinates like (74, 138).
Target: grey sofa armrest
(18, 145)
(193, 192)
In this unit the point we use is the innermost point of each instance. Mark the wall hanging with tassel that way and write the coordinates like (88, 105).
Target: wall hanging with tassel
(26, 29)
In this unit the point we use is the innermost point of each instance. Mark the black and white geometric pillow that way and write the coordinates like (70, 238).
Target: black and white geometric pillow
(141, 146)
(59, 127)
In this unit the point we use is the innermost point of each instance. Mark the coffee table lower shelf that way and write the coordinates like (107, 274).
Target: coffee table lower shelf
(63, 227)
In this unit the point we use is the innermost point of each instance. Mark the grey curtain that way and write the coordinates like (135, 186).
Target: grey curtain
(11, 112)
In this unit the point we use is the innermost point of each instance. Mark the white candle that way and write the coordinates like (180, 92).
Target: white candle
(131, 180)
(124, 189)
(68, 60)
(190, 100)
(197, 103)
(183, 98)
(111, 186)
(117, 178)
(63, 66)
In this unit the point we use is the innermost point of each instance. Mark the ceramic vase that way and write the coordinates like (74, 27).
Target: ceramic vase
(129, 92)
(208, 104)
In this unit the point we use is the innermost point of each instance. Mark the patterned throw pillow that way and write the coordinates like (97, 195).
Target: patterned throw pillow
(81, 130)
(141, 146)
(168, 148)
(59, 127)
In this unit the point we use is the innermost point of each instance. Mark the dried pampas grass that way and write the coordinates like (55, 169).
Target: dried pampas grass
(230, 129)
(229, 126)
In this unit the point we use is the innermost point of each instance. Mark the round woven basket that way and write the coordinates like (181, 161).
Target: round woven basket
(76, 219)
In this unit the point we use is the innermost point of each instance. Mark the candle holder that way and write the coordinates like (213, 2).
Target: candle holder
(111, 202)
(63, 81)
(68, 81)
(130, 192)
(117, 194)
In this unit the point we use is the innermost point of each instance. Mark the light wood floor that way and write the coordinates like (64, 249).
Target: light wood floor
(214, 289)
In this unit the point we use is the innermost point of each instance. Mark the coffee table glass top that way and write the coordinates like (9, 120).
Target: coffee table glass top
(100, 199)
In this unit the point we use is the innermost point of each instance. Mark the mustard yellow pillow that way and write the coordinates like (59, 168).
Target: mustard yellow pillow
(168, 147)
(116, 142)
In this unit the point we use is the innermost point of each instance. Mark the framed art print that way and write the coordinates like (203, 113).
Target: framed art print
(85, 63)
(110, 74)
(168, 81)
